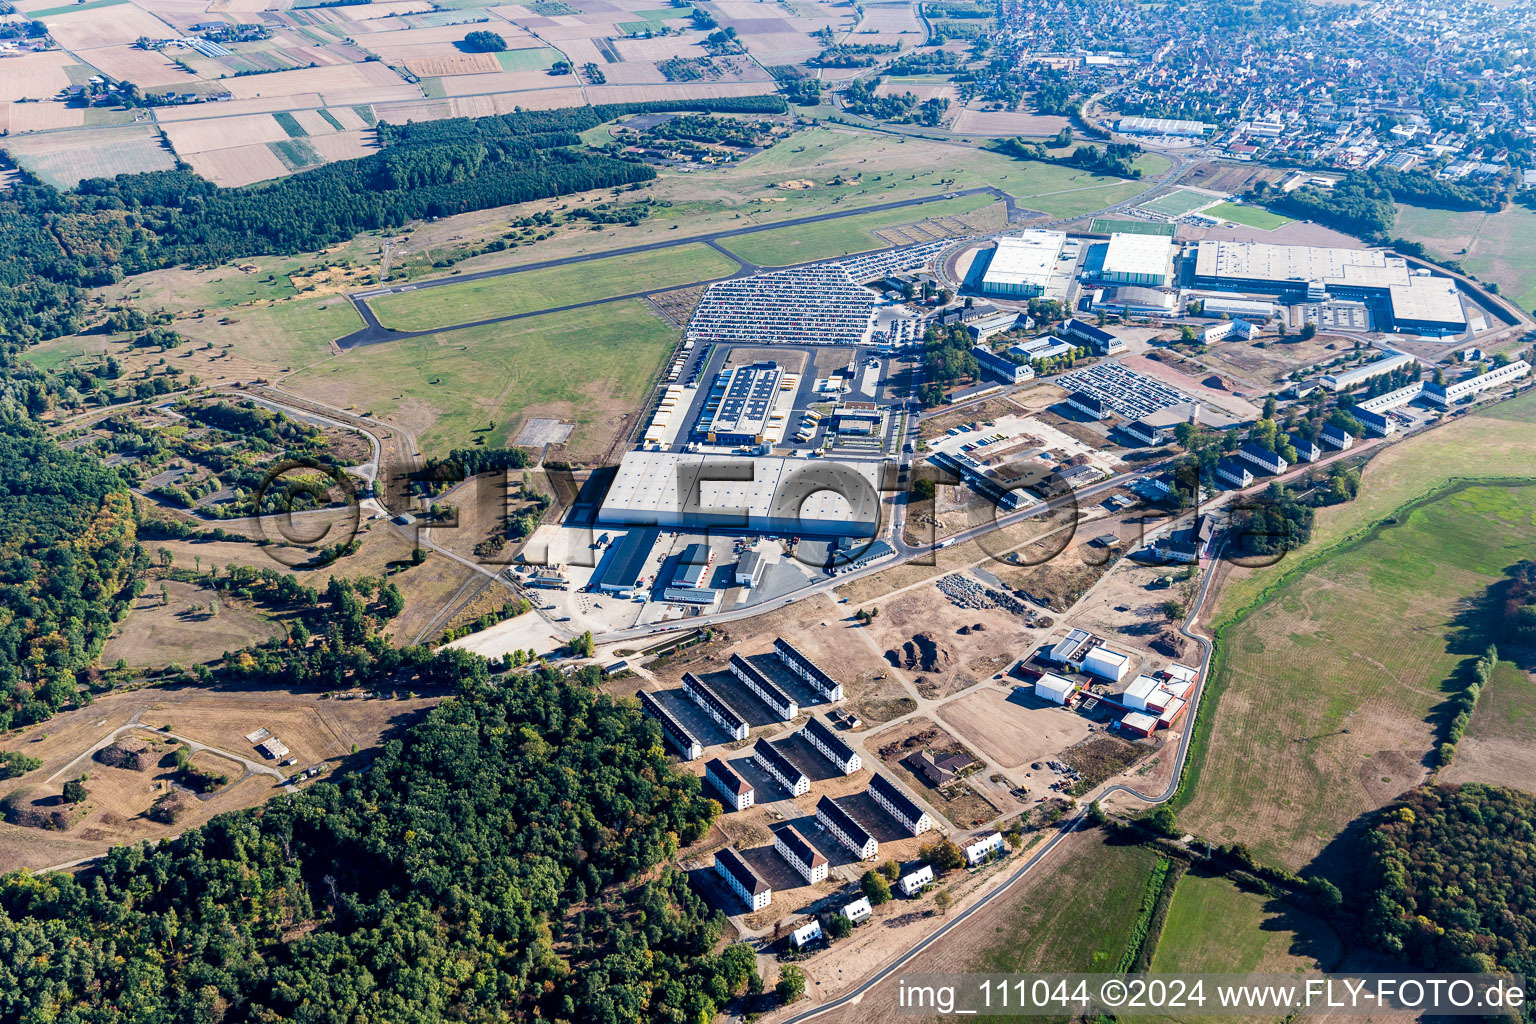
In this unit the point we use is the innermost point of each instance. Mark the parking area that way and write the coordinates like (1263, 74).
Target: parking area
(1130, 394)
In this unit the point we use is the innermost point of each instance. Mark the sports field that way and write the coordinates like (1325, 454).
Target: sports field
(1177, 203)
(1320, 719)
(551, 288)
(841, 236)
(1498, 247)
(1125, 225)
(590, 366)
(1250, 216)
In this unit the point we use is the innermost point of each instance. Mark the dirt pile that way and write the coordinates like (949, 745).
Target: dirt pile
(922, 653)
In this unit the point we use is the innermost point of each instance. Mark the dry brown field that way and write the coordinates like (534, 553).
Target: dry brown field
(189, 137)
(316, 729)
(35, 76)
(157, 633)
(17, 118)
(1012, 729)
(1007, 122)
(453, 64)
(105, 26)
(240, 165)
(144, 68)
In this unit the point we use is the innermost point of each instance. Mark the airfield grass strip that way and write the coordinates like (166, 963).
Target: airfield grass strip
(1216, 678)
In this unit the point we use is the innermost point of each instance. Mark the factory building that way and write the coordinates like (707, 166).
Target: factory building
(1450, 394)
(1020, 266)
(748, 395)
(1145, 260)
(738, 793)
(766, 495)
(1414, 301)
(810, 862)
(766, 689)
(831, 745)
(626, 562)
(767, 757)
(806, 669)
(1162, 126)
(1054, 688)
(1343, 380)
(1001, 367)
(846, 830)
(745, 882)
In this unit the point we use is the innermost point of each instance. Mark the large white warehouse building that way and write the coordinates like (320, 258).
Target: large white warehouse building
(767, 495)
(1020, 266)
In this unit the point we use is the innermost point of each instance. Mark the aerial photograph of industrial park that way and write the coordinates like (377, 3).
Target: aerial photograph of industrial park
(594, 512)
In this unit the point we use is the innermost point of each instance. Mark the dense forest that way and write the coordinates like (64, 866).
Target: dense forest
(53, 244)
(1455, 870)
(498, 863)
(67, 558)
(1518, 622)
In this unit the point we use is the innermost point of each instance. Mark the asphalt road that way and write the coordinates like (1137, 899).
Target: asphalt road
(375, 332)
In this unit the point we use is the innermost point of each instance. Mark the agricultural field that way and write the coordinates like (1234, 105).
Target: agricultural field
(1498, 247)
(1249, 216)
(1498, 442)
(64, 159)
(1312, 702)
(427, 308)
(1499, 746)
(588, 366)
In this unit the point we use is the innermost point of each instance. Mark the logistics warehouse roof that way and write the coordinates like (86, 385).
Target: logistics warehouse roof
(1026, 259)
(748, 399)
(1130, 253)
(1260, 261)
(814, 495)
(1431, 300)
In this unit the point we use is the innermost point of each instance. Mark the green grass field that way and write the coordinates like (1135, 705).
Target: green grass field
(1177, 203)
(1125, 225)
(426, 309)
(839, 237)
(591, 366)
(89, 5)
(51, 355)
(1081, 921)
(1214, 926)
(1326, 686)
(1499, 247)
(1251, 216)
(537, 58)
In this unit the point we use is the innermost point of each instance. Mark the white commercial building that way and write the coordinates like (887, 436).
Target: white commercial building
(1054, 688)
(1162, 126)
(1106, 664)
(1137, 259)
(984, 847)
(766, 495)
(1450, 394)
(1021, 265)
(1343, 380)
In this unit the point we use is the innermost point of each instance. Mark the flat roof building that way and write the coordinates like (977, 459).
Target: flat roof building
(1162, 126)
(1138, 259)
(1054, 688)
(626, 561)
(1021, 265)
(763, 494)
(748, 395)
